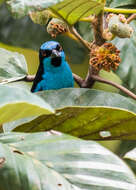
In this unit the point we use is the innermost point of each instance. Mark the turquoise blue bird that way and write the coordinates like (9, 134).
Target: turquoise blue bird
(54, 72)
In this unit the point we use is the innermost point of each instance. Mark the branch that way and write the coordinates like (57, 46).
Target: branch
(97, 78)
(29, 78)
(123, 89)
(92, 78)
(84, 42)
(78, 79)
(97, 25)
(132, 17)
(117, 10)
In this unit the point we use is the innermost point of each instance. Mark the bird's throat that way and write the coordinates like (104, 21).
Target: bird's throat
(56, 61)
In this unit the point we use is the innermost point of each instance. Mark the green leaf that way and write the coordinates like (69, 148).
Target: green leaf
(127, 68)
(120, 3)
(72, 11)
(84, 164)
(12, 66)
(16, 103)
(131, 155)
(19, 171)
(109, 76)
(88, 114)
(123, 148)
(20, 8)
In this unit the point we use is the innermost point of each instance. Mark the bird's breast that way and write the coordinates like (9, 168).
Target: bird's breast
(61, 79)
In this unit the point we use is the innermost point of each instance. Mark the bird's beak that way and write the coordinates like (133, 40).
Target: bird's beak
(55, 53)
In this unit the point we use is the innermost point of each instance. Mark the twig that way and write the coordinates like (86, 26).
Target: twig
(92, 78)
(29, 78)
(132, 17)
(81, 83)
(85, 43)
(78, 80)
(123, 89)
(87, 83)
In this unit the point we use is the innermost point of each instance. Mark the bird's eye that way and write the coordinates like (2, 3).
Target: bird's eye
(46, 53)
(58, 48)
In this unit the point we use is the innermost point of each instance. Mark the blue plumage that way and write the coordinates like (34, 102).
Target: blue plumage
(53, 72)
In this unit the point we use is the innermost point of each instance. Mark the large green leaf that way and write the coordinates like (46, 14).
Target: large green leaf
(127, 68)
(84, 164)
(88, 114)
(72, 11)
(131, 155)
(12, 66)
(123, 148)
(16, 103)
(19, 171)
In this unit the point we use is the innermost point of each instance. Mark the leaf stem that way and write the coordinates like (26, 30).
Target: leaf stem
(29, 78)
(87, 19)
(132, 17)
(118, 10)
(77, 35)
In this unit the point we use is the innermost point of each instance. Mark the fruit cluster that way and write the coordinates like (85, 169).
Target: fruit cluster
(105, 57)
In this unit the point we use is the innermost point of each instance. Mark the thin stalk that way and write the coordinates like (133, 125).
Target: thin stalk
(85, 43)
(118, 10)
(87, 19)
(131, 18)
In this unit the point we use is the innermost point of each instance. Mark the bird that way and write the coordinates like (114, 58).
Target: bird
(53, 72)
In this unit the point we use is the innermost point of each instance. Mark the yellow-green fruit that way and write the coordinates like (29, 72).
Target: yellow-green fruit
(118, 28)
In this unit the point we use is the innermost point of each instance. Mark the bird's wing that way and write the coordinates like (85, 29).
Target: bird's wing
(39, 73)
(37, 79)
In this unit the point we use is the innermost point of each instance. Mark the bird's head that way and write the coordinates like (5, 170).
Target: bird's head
(52, 53)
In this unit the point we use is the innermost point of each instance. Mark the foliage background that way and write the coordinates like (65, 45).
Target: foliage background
(26, 37)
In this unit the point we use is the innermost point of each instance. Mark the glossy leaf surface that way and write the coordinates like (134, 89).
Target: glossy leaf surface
(120, 3)
(83, 164)
(72, 11)
(16, 103)
(88, 114)
(131, 155)
(19, 171)
(127, 68)
(12, 66)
